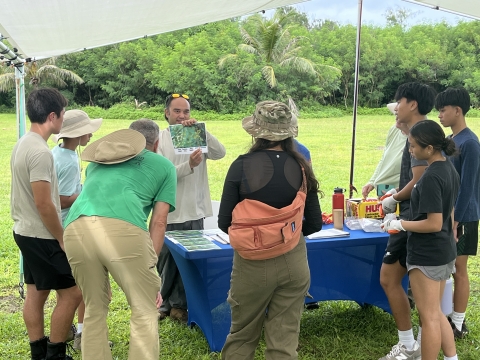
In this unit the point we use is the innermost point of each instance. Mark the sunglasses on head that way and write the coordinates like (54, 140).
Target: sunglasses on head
(170, 98)
(179, 96)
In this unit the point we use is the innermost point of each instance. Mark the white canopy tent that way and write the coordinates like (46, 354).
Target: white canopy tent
(41, 29)
(468, 8)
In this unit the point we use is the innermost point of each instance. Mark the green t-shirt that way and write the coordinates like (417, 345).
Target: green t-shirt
(126, 191)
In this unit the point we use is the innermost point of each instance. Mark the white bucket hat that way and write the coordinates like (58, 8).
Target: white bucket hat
(392, 107)
(116, 147)
(76, 123)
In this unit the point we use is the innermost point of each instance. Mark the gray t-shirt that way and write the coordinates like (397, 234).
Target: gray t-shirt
(31, 161)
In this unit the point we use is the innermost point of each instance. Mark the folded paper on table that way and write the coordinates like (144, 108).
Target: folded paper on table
(328, 233)
(217, 235)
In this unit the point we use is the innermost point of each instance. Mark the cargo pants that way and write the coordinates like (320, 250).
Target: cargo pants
(270, 294)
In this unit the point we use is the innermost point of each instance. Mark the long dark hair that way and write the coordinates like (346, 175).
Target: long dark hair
(428, 132)
(289, 147)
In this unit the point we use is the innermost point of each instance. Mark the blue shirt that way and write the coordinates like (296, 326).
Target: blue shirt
(302, 149)
(67, 168)
(467, 164)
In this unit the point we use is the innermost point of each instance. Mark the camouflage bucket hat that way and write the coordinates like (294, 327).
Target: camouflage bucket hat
(272, 121)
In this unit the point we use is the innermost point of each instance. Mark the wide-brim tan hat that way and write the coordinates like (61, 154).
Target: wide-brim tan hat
(76, 123)
(272, 120)
(392, 107)
(116, 147)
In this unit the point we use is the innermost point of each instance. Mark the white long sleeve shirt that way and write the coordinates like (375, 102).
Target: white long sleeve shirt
(193, 193)
(388, 168)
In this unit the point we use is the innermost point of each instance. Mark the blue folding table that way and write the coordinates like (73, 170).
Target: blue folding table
(345, 268)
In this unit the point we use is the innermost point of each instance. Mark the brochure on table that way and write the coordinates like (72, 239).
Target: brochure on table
(187, 139)
(194, 240)
(328, 233)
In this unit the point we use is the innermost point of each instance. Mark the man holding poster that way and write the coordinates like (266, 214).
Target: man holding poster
(193, 197)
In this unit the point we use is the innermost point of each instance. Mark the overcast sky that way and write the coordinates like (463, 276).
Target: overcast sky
(346, 11)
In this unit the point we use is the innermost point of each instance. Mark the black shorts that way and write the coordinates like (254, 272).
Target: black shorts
(468, 242)
(396, 249)
(44, 263)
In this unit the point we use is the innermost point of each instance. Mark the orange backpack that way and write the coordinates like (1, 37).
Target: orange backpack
(260, 232)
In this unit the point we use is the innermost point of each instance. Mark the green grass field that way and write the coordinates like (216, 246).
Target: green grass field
(337, 330)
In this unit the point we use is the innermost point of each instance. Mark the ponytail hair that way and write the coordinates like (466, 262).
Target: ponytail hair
(449, 147)
(429, 132)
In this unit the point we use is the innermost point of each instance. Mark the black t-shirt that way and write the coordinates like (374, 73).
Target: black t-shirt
(406, 175)
(272, 177)
(435, 192)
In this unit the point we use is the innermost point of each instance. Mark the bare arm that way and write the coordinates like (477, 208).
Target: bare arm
(67, 201)
(43, 201)
(433, 223)
(406, 192)
(158, 224)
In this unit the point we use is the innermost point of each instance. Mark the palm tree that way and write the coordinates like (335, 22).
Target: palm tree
(274, 45)
(37, 72)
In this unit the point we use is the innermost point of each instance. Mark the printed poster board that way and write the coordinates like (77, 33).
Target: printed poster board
(187, 139)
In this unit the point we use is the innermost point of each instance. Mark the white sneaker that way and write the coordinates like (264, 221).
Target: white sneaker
(77, 342)
(400, 352)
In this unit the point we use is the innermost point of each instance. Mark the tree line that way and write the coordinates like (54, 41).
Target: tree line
(227, 66)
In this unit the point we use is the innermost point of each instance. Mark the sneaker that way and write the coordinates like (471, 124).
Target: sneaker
(400, 352)
(77, 342)
(71, 334)
(180, 315)
(312, 306)
(458, 334)
(162, 315)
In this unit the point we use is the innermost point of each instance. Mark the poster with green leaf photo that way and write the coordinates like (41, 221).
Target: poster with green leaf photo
(187, 139)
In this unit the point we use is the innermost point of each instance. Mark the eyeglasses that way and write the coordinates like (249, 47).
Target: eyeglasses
(180, 96)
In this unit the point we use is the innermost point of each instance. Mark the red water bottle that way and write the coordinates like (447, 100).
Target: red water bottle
(338, 199)
(338, 208)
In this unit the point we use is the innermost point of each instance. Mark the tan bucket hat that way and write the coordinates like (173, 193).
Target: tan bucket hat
(116, 147)
(392, 107)
(77, 123)
(272, 120)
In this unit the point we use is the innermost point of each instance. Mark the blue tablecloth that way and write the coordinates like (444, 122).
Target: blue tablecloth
(346, 268)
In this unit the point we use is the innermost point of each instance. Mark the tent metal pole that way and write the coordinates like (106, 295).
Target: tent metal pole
(18, 63)
(20, 95)
(355, 97)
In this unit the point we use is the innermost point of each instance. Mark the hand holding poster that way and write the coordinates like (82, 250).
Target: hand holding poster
(186, 139)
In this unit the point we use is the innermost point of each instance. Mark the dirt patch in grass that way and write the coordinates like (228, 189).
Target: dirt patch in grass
(11, 304)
